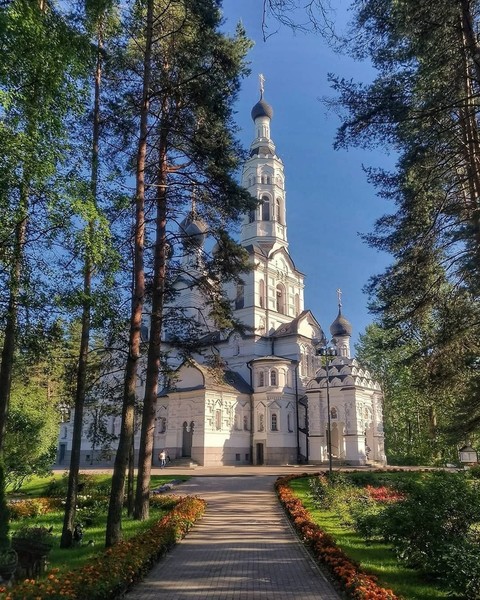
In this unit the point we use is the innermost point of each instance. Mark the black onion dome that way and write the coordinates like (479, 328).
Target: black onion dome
(262, 109)
(193, 230)
(341, 326)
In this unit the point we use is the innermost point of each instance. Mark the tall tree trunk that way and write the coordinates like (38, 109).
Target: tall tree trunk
(471, 50)
(10, 333)
(82, 367)
(114, 519)
(154, 347)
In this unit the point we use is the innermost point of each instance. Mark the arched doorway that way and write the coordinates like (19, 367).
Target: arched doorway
(187, 438)
(260, 454)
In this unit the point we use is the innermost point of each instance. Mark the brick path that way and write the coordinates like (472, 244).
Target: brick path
(242, 549)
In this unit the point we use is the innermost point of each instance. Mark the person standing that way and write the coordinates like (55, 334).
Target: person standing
(163, 458)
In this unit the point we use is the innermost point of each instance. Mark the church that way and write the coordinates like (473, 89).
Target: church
(279, 395)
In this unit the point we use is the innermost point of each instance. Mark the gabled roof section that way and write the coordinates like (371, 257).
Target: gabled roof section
(263, 249)
(284, 252)
(293, 328)
(192, 375)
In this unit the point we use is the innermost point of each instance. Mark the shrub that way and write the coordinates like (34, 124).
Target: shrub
(462, 568)
(32, 507)
(436, 516)
(87, 485)
(110, 574)
(366, 518)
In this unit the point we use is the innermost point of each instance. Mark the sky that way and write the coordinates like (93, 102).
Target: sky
(329, 201)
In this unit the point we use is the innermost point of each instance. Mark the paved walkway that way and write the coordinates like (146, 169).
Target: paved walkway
(242, 549)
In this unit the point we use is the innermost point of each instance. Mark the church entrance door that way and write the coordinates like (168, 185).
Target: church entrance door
(260, 457)
(187, 439)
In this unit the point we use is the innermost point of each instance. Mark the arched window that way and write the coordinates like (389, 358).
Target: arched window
(265, 208)
(252, 215)
(274, 422)
(289, 422)
(333, 413)
(245, 423)
(273, 377)
(261, 422)
(261, 293)
(264, 179)
(261, 379)
(163, 425)
(261, 325)
(297, 305)
(278, 211)
(269, 181)
(303, 363)
(218, 419)
(240, 297)
(281, 300)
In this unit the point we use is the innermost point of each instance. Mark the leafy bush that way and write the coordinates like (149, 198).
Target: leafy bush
(88, 485)
(462, 567)
(434, 518)
(366, 518)
(31, 507)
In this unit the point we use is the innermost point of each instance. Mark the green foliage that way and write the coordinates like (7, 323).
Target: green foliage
(32, 430)
(415, 429)
(422, 104)
(89, 486)
(435, 517)
(374, 556)
(4, 512)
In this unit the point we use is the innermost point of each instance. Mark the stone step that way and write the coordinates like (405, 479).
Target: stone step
(183, 463)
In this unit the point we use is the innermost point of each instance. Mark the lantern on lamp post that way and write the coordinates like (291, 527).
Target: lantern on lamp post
(467, 455)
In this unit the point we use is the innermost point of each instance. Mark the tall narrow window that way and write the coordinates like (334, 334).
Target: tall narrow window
(297, 305)
(281, 300)
(278, 213)
(252, 215)
(261, 293)
(265, 208)
(273, 377)
(218, 419)
(289, 422)
(261, 379)
(240, 297)
(245, 423)
(274, 422)
(261, 423)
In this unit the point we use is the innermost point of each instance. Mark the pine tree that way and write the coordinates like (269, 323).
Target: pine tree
(423, 105)
(191, 74)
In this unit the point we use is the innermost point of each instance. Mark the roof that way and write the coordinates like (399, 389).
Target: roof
(341, 326)
(262, 109)
(344, 372)
(214, 378)
(291, 328)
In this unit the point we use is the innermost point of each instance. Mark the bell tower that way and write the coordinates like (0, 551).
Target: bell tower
(264, 178)
(272, 294)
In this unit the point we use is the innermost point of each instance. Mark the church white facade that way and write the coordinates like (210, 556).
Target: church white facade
(265, 401)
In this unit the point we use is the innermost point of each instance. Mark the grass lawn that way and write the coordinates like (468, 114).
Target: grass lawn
(375, 557)
(71, 558)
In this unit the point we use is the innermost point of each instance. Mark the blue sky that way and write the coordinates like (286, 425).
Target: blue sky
(329, 201)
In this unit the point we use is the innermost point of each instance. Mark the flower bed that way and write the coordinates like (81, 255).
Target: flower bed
(110, 574)
(347, 573)
(32, 507)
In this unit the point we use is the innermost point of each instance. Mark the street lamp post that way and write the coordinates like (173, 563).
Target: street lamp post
(328, 352)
